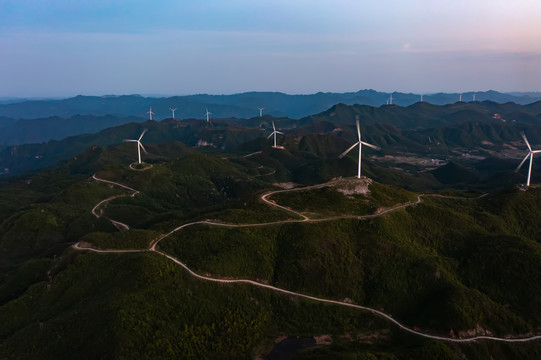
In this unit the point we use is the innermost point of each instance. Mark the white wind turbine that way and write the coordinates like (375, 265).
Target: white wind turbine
(208, 113)
(474, 97)
(150, 113)
(360, 143)
(460, 97)
(421, 97)
(260, 112)
(274, 132)
(391, 99)
(139, 145)
(530, 154)
(173, 111)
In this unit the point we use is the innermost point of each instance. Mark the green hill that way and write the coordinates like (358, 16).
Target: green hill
(455, 264)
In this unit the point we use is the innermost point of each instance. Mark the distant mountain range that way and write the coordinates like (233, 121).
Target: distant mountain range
(242, 105)
(26, 131)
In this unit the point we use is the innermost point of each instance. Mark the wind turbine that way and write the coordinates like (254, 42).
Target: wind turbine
(150, 113)
(360, 143)
(139, 145)
(460, 97)
(274, 132)
(391, 100)
(173, 111)
(260, 112)
(474, 97)
(208, 113)
(530, 154)
(421, 97)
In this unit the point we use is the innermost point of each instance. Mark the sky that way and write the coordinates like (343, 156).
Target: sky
(61, 48)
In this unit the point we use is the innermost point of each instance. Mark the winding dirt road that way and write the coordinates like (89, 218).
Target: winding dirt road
(120, 226)
(304, 218)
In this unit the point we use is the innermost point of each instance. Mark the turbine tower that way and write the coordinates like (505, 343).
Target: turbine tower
(360, 143)
(208, 113)
(530, 155)
(274, 132)
(139, 145)
(173, 111)
(460, 97)
(260, 112)
(474, 97)
(421, 97)
(150, 113)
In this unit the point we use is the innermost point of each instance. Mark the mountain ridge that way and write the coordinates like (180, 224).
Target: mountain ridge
(235, 105)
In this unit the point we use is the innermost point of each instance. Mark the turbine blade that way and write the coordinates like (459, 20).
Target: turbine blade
(143, 148)
(522, 162)
(143, 133)
(273, 128)
(372, 146)
(526, 140)
(279, 132)
(129, 140)
(358, 129)
(272, 133)
(536, 151)
(348, 150)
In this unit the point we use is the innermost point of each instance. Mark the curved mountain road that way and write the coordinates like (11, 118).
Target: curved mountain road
(265, 199)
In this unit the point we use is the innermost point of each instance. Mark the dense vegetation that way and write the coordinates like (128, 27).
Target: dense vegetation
(131, 239)
(432, 265)
(455, 265)
(115, 306)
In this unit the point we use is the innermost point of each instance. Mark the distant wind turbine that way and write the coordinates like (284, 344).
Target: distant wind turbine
(150, 113)
(173, 111)
(421, 97)
(139, 145)
(530, 154)
(260, 112)
(474, 97)
(274, 132)
(360, 143)
(208, 113)
(460, 97)
(391, 99)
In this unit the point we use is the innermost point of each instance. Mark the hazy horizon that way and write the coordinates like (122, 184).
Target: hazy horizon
(6, 98)
(63, 48)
